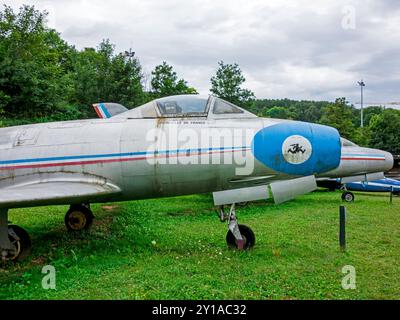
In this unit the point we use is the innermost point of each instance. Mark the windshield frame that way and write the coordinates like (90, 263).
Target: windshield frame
(186, 114)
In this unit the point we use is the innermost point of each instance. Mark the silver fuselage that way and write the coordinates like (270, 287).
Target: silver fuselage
(121, 152)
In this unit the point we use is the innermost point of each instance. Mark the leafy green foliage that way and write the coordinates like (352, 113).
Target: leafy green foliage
(339, 115)
(385, 131)
(227, 82)
(42, 77)
(309, 111)
(278, 112)
(165, 82)
(33, 64)
(101, 75)
(369, 113)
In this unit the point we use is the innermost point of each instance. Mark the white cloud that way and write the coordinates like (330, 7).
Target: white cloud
(286, 48)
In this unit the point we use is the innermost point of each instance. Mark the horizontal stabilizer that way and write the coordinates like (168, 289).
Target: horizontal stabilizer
(107, 110)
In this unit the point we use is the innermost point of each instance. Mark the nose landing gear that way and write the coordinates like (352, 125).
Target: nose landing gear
(348, 196)
(239, 236)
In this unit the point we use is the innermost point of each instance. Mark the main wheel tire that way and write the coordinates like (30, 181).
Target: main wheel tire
(21, 241)
(78, 218)
(348, 196)
(248, 237)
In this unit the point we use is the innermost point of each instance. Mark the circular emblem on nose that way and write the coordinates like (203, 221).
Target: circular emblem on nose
(296, 149)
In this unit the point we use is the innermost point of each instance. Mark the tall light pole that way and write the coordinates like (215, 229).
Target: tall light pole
(129, 54)
(362, 85)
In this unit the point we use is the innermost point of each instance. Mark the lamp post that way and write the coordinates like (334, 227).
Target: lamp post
(130, 54)
(362, 85)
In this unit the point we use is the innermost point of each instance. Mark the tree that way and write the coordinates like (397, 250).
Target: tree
(102, 75)
(34, 64)
(164, 82)
(309, 111)
(119, 78)
(278, 112)
(42, 77)
(369, 112)
(339, 115)
(384, 129)
(312, 113)
(226, 85)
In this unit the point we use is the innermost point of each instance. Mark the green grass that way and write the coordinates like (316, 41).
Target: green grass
(175, 249)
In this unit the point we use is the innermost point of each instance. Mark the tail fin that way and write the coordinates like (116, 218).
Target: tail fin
(107, 110)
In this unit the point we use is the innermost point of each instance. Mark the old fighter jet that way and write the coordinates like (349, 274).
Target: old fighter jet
(170, 146)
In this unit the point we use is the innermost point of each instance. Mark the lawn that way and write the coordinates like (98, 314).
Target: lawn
(175, 249)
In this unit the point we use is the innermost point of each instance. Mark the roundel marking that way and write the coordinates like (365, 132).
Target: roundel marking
(296, 149)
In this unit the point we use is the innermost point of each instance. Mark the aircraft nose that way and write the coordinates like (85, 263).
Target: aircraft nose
(389, 161)
(385, 162)
(365, 160)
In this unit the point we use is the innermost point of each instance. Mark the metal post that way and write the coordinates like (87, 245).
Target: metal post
(342, 228)
(362, 108)
(391, 194)
(362, 85)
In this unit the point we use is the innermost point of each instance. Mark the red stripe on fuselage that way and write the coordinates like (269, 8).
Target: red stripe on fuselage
(78, 163)
(370, 159)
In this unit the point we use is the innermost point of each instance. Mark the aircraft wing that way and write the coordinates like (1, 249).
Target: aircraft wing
(280, 190)
(55, 192)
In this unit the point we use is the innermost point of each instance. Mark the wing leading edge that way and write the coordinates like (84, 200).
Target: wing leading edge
(281, 191)
(55, 192)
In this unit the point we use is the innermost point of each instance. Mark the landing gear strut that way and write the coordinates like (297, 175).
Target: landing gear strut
(78, 218)
(15, 243)
(239, 236)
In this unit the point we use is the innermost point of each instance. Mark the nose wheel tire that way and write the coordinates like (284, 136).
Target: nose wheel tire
(78, 218)
(21, 243)
(348, 196)
(249, 238)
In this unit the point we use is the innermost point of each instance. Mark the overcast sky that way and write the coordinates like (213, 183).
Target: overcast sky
(300, 49)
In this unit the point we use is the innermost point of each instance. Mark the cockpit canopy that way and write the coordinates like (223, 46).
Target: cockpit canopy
(184, 106)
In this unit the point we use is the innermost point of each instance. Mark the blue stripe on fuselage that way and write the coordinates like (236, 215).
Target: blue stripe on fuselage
(111, 155)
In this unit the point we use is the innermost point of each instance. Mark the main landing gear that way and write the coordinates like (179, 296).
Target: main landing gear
(78, 217)
(15, 243)
(239, 236)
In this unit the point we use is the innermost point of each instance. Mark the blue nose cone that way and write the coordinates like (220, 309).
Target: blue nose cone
(298, 148)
